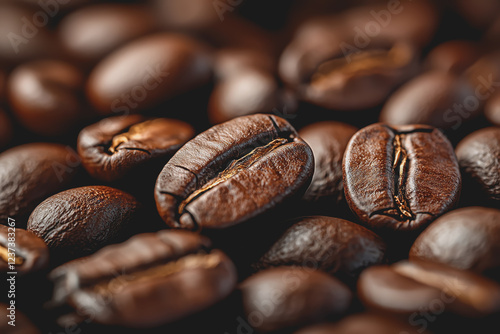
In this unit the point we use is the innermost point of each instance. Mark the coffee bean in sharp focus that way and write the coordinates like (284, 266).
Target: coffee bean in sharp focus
(479, 158)
(400, 178)
(46, 96)
(148, 71)
(328, 141)
(467, 238)
(149, 280)
(233, 172)
(115, 147)
(77, 222)
(30, 173)
(333, 245)
(285, 297)
(82, 36)
(434, 98)
(31, 252)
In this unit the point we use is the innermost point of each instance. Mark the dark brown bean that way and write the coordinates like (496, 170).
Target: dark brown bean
(453, 56)
(400, 178)
(437, 98)
(77, 222)
(113, 147)
(148, 71)
(149, 280)
(492, 110)
(31, 252)
(333, 245)
(230, 61)
(46, 96)
(233, 172)
(285, 297)
(328, 141)
(479, 158)
(29, 174)
(81, 32)
(468, 238)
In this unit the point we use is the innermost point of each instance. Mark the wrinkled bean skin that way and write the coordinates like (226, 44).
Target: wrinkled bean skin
(77, 222)
(212, 181)
(467, 238)
(149, 280)
(328, 141)
(116, 146)
(305, 296)
(479, 158)
(81, 31)
(30, 173)
(32, 253)
(46, 96)
(430, 99)
(158, 67)
(334, 245)
(400, 178)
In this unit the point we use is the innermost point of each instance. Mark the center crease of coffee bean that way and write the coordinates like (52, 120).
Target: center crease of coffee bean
(193, 261)
(400, 166)
(134, 133)
(4, 254)
(234, 168)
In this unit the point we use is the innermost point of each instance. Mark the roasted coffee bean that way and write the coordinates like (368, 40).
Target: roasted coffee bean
(249, 92)
(233, 172)
(81, 32)
(292, 297)
(437, 98)
(479, 158)
(333, 245)
(6, 132)
(148, 71)
(467, 238)
(230, 61)
(113, 147)
(25, 35)
(23, 249)
(30, 173)
(186, 15)
(400, 178)
(479, 14)
(15, 322)
(364, 323)
(328, 141)
(453, 56)
(46, 96)
(149, 280)
(409, 287)
(77, 222)
(492, 110)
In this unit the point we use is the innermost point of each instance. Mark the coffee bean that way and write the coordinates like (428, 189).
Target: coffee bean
(187, 15)
(77, 222)
(364, 323)
(113, 147)
(31, 252)
(233, 172)
(17, 324)
(81, 32)
(285, 297)
(250, 92)
(467, 238)
(149, 280)
(492, 110)
(5, 128)
(148, 71)
(452, 56)
(400, 178)
(30, 173)
(328, 141)
(435, 98)
(229, 62)
(45, 96)
(479, 158)
(333, 245)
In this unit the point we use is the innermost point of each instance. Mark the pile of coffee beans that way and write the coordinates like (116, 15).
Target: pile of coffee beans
(239, 167)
